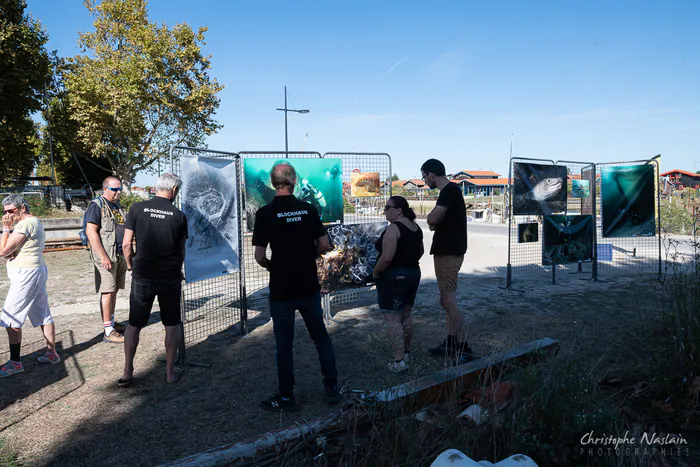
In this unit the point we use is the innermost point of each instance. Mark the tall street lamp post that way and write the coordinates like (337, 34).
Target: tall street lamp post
(300, 111)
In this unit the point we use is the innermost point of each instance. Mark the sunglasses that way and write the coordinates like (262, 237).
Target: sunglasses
(10, 211)
(387, 207)
(114, 189)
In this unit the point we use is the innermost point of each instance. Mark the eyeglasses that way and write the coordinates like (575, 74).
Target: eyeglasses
(114, 189)
(10, 211)
(387, 207)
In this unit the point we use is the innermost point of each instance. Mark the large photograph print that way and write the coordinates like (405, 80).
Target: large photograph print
(538, 189)
(319, 182)
(567, 239)
(628, 201)
(209, 200)
(354, 255)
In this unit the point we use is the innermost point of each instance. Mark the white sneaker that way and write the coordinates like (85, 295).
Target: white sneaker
(398, 367)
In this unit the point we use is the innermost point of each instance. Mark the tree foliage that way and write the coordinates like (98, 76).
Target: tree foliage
(137, 88)
(72, 160)
(24, 70)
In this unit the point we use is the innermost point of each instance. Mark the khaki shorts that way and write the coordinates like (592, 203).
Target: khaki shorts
(112, 280)
(446, 270)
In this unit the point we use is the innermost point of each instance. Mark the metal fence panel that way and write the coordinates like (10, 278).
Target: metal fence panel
(257, 278)
(629, 254)
(610, 255)
(212, 305)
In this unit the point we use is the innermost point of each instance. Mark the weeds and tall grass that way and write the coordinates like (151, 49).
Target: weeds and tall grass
(9, 457)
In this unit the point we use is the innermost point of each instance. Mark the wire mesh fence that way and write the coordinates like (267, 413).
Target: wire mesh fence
(639, 250)
(362, 210)
(634, 252)
(212, 305)
(257, 278)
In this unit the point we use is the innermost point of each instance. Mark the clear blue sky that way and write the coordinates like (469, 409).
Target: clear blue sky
(589, 81)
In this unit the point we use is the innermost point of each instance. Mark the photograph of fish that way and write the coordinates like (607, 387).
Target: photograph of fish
(628, 200)
(538, 189)
(209, 199)
(528, 232)
(580, 189)
(567, 239)
(351, 261)
(364, 184)
(319, 182)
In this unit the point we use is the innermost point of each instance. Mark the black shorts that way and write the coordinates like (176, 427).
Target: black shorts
(144, 291)
(397, 288)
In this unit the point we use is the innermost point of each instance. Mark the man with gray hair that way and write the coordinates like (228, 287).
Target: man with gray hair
(104, 226)
(160, 230)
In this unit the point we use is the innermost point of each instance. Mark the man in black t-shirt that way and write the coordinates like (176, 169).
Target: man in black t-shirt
(160, 230)
(448, 220)
(104, 227)
(295, 234)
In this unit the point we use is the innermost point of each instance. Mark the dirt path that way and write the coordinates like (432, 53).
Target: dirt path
(73, 414)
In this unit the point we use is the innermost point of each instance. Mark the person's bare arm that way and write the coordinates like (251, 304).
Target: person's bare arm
(10, 243)
(261, 257)
(323, 244)
(127, 248)
(96, 244)
(436, 215)
(389, 243)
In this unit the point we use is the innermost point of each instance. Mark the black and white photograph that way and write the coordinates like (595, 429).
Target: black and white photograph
(538, 189)
(209, 199)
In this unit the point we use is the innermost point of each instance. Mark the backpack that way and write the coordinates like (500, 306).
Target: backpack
(82, 233)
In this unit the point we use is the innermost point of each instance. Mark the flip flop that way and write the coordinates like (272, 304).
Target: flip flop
(178, 374)
(122, 383)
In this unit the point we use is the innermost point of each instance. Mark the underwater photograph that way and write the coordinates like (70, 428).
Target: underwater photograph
(628, 201)
(319, 182)
(364, 184)
(353, 257)
(567, 239)
(528, 233)
(538, 189)
(580, 188)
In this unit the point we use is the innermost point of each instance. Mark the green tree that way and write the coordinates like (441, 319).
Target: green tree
(72, 160)
(24, 65)
(138, 87)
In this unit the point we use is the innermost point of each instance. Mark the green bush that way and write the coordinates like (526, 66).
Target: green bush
(348, 207)
(129, 200)
(675, 218)
(39, 206)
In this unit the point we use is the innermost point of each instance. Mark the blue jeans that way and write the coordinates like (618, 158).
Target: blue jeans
(283, 316)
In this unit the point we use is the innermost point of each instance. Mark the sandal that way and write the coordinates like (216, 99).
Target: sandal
(123, 383)
(177, 373)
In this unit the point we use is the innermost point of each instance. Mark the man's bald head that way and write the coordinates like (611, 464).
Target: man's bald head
(283, 175)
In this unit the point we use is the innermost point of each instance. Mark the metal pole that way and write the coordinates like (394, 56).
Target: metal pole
(509, 271)
(286, 141)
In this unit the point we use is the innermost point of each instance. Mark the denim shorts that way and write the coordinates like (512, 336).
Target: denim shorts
(397, 288)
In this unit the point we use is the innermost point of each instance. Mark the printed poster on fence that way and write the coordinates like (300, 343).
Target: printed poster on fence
(209, 199)
(319, 182)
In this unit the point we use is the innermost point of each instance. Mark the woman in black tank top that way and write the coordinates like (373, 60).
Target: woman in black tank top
(397, 276)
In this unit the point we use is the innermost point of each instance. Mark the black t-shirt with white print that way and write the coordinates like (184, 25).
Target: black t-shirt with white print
(160, 230)
(291, 228)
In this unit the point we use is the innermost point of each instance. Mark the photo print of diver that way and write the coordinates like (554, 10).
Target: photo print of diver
(319, 182)
(538, 189)
(567, 239)
(628, 201)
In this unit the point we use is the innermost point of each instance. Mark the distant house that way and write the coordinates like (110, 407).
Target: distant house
(682, 179)
(479, 182)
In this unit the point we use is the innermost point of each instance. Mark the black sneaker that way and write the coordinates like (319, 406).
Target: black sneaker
(463, 355)
(332, 395)
(277, 404)
(439, 350)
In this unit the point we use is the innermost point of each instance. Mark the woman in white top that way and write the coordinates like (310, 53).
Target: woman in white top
(27, 272)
